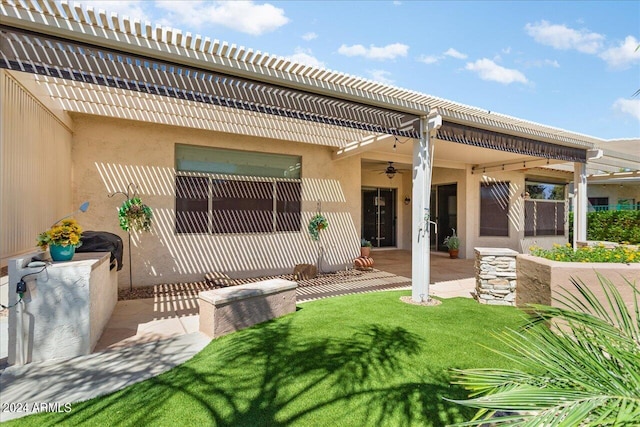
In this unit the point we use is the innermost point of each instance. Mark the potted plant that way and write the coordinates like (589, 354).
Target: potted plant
(317, 224)
(453, 244)
(62, 239)
(135, 215)
(365, 247)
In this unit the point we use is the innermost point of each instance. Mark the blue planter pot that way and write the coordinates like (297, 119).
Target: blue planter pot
(62, 253)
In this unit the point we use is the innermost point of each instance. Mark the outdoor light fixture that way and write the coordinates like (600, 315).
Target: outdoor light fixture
(83, 208)
(390, 171)
(407, 200)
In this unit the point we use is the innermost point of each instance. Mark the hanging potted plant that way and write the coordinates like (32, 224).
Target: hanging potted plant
(453, 244)
(62, 239)
(135, 215)
(317, 224)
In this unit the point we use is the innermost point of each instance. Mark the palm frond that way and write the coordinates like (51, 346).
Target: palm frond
(579, 364)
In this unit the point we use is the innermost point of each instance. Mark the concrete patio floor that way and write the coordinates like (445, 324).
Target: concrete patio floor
(151, 319)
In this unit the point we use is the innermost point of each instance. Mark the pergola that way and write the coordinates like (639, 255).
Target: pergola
(137, 70)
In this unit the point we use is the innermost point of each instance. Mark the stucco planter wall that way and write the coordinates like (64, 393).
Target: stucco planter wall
(540, 279)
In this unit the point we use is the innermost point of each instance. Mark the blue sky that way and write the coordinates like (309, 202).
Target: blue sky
(571, 65)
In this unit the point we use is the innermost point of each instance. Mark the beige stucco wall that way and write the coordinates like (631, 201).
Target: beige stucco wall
(615, 191)
(540, 280)
(108, 154)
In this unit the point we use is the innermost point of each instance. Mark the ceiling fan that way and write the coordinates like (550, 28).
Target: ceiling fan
(391, 171)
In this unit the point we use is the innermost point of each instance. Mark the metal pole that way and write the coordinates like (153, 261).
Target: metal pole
(130, 265)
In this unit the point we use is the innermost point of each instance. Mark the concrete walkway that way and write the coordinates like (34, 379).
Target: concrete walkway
(97, 374)
(146, 337)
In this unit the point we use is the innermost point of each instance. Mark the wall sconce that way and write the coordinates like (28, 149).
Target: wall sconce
(407, 200)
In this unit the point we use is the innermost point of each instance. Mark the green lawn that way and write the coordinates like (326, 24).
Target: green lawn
(359, 360)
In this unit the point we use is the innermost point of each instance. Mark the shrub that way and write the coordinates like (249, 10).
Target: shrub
(599, 253)
(612, 226)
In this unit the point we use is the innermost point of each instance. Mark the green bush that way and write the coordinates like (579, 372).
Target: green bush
(611, 226)
(598, 253)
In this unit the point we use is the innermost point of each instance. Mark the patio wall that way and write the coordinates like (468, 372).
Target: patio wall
(540, 279)
(35, 163)
(110, 153)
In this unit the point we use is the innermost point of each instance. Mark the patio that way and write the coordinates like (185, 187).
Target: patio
(173, 311)
(156, 334)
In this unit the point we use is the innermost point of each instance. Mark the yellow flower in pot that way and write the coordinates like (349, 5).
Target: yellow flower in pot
(62, 239)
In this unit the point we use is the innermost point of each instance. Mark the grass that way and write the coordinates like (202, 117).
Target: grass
(350, 361)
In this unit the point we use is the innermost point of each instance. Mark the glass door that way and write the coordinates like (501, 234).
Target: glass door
(379, 216)
(444, 211)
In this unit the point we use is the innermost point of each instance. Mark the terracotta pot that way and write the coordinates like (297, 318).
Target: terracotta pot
(365, 251)
(453, 253)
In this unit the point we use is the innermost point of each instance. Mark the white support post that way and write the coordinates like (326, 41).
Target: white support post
(420, 245)
(580, 203)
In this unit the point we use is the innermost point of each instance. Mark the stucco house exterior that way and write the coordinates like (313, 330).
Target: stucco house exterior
(236, 150)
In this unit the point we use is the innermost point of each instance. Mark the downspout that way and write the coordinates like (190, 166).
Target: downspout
(422, 169)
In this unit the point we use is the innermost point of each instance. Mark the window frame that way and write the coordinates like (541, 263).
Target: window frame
(282, 194)
(276, 214)
(506, 210)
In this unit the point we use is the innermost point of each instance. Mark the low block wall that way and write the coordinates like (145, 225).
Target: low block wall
(227, 310)
(495, 276)
(64, 310)
(540, 279)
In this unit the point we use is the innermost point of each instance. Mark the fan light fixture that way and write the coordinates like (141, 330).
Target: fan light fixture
(390, 171)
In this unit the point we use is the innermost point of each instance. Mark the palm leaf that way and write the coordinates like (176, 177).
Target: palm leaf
(579, 364)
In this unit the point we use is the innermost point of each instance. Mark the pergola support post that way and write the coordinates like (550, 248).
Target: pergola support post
(580, 203)
(421, 194)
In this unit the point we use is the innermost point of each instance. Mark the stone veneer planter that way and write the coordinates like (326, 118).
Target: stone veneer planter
(495, 276)
(540, 279)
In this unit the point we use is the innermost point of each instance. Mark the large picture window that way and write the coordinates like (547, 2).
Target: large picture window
(494, 209)
(230, 192)
(544, 209)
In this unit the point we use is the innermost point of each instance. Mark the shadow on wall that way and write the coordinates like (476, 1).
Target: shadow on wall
(163, 256)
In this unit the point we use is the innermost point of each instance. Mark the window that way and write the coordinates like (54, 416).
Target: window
(599, 203)
(229, 192)
(544, 209)
(494, 209)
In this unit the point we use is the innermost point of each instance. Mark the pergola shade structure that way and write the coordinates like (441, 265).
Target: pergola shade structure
(463, 134)
(69, 60)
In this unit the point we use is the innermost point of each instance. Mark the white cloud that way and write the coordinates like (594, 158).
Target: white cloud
(628, 106)
(455, 54)
(244, 16)
(390, 51)
(489, 70)
(539, 63)
(429, 59)
(506, 50)
(304, 56)
(132, 8)
(564, 38)
(381, 76)
(623, 55)
(309, 36)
